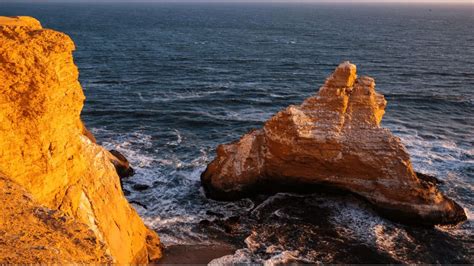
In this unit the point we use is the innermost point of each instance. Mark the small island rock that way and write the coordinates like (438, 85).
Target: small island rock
(332, 139)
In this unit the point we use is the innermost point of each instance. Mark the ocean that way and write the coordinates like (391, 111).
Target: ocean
(167, 83)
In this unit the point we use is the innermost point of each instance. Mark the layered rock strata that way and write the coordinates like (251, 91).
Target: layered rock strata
(333, 139)
(43, 149)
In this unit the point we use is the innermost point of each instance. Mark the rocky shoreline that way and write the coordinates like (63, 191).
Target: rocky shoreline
(65, 191)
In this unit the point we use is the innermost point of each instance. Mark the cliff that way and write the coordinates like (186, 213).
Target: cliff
(333, 139)
(31, 233)
(44, 152)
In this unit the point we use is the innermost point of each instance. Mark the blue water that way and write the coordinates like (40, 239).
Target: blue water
(167, 83)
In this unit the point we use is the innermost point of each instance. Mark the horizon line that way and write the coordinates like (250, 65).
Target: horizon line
(448, 2)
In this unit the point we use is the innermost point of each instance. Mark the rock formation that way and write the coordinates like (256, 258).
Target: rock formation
(121, 164)
(333, 139)
(44, 152)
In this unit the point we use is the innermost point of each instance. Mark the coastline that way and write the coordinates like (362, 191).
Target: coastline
(166, 89)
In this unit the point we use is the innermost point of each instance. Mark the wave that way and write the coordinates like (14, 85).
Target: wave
(175, 204)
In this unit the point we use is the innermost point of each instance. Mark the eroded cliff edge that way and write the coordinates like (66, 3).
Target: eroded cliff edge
(332, 139)
(45, 153)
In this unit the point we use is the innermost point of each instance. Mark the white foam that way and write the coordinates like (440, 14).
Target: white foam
(270, 200)
(178, 140)
(283, 257)
(177, 203)
(437, 156)
(241, 256)
(273, 254)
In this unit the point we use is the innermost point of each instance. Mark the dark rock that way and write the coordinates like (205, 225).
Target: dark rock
(138, 203)
(430, 179)
(204, 223)
(121, 164)
(126, 192)
(219, 215)
(140, 187)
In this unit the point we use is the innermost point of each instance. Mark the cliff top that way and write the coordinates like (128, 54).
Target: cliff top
(23, 21)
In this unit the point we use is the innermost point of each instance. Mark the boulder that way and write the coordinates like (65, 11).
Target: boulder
(332, 140)
(121, 164)
(44, 151)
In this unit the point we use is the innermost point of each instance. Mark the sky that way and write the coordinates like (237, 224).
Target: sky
(289, 1)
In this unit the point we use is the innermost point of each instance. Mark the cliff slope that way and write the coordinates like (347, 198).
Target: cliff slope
(31, 233)
(333, 138)
(43, 148)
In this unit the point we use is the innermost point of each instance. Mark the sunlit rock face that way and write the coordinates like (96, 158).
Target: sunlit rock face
(43, 148)
(332, 140)
(31, 233)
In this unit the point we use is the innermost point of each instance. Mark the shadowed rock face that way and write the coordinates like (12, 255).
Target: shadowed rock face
(333, 139)
(43, 148)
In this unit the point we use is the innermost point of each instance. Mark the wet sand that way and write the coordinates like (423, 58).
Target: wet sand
(194, 254)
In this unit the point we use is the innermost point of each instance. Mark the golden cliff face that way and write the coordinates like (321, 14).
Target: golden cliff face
(42, 145)
(32, 233)
(333, 138)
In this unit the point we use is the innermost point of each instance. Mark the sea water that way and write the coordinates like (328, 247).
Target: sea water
(167, 83)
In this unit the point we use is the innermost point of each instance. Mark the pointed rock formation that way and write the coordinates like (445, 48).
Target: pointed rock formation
(43, 148)
(333, 138)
